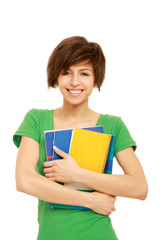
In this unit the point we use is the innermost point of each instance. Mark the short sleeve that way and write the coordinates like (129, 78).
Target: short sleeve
(29, 128)
(123, 138)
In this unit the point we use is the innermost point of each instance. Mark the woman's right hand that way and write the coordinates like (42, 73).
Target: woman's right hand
(102, 203)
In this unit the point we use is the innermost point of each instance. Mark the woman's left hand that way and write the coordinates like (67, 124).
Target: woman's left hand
(62, 170)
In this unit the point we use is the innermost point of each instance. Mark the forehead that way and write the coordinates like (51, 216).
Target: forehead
(82, 65)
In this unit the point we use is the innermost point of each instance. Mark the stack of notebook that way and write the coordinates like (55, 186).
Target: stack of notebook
(90, 147)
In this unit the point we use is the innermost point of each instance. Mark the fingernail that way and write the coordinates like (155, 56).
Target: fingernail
(55, 148)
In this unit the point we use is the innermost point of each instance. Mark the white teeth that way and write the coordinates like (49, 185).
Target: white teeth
(75, 91)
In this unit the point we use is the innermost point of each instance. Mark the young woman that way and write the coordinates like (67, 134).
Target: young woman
(76, 66)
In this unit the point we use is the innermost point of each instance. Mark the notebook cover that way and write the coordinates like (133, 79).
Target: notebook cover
(49, 138)
(109, 162)
(90, 149)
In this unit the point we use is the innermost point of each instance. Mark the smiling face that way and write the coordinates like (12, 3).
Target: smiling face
(76, 84)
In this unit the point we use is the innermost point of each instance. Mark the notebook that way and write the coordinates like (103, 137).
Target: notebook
(61, 139)
(90, 149)
(79, 143)
(109, 162)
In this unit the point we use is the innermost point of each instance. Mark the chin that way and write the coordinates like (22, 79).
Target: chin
(75, 102)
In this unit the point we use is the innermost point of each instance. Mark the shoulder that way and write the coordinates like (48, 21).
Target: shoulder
(111, 121)
(38, 117)
(112, 124)
(37, 113)
(108, 117)
(115, 125)
(32, 124)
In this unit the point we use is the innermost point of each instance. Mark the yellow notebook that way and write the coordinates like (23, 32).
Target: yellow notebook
(90, 149)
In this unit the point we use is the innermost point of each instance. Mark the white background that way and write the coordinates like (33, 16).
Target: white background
(129, 33)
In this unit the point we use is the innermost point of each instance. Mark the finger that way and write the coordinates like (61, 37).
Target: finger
(51, 178)
(60, 152)
(49, 175)
(114, 199)
(49, 170)
(48, 163)
(107, 213)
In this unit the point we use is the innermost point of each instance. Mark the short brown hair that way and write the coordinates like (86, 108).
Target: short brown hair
(74, 50)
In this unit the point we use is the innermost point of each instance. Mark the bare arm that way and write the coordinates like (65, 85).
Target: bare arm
(32, 183)
(132, 184)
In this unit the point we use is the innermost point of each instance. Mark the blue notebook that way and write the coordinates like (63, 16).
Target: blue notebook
(109, 162)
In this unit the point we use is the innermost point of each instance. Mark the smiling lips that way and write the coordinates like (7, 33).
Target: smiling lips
(75, 92)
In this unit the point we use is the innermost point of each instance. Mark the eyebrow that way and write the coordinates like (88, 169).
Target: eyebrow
(84, 69)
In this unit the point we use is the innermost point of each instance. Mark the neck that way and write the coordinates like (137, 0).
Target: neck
(75, 112)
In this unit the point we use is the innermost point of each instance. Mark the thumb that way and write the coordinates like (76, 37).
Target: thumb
(60, 152)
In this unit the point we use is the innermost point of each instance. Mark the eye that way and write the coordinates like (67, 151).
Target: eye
(85, 74)
(66, 73)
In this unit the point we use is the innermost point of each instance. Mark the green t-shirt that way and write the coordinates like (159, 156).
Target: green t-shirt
(69, 224)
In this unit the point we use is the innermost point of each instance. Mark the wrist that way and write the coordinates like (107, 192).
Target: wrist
(80, 176)
(87, 199)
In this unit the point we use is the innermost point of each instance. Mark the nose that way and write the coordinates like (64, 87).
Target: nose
(75, 80)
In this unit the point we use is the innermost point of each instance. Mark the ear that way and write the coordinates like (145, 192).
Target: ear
(95, 84)
(57, 83)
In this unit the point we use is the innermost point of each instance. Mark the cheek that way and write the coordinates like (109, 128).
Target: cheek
(90, 84)
(90, 88)
(61, 82)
